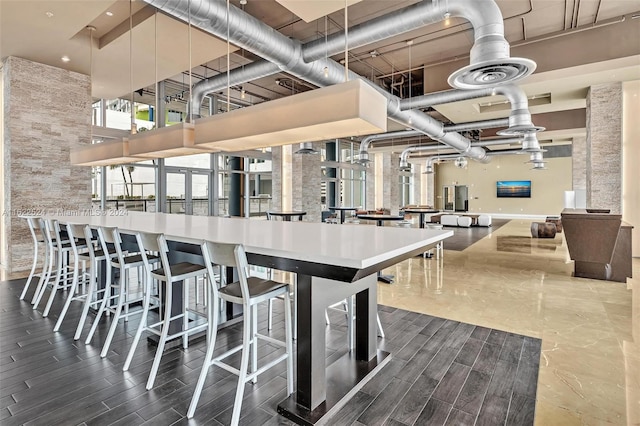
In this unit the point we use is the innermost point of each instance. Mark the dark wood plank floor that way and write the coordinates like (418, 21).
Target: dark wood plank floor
(442, 373)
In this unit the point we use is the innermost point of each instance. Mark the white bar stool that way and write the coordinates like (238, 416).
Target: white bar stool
(38, 241)
(248, 291)
(349, 311)
(94, 294)
(76, 233)
(169, 274)
(124, 295)
(60, 247)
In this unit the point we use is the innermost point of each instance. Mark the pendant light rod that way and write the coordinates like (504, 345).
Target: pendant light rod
(346, 40)
(133, 118)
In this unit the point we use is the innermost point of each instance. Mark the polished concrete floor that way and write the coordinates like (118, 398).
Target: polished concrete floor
(590, 329)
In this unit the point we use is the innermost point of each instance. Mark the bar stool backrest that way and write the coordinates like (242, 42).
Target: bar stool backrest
(163, 249)
(117, 242)
(49, 232)
(88, 236)
(147, 243)
(229, 255)
(34, 227)
(75, 231)
(105, 235)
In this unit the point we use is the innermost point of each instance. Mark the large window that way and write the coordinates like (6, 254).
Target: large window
(251, 177)
(343, 181)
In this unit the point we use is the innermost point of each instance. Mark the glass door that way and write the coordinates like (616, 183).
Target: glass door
(448, 192)
(187, 192)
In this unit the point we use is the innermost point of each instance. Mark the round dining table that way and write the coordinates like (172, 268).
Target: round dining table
(422, 213)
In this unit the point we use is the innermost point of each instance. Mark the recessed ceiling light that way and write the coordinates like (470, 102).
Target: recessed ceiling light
(65, 58)
(49, 14)
(109, 13)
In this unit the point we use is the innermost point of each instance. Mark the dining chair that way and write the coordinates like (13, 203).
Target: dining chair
(171, 274)
(249, 292)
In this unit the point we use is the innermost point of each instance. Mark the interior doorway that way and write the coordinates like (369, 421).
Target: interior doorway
(455, 198)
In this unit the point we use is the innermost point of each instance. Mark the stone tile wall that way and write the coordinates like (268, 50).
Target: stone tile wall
(306, 184)
(391, 176)
(276, 178)
(604, 147)
(47, 111)
(417, 184)
(370, 184)
(579, 163)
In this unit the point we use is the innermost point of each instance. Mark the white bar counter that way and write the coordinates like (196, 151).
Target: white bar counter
(331, 263)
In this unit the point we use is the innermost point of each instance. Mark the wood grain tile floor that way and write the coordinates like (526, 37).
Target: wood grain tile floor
(443, 372)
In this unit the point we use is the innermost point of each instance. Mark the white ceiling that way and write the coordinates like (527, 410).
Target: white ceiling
(27, 31)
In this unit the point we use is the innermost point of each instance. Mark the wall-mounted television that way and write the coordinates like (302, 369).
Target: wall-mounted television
(513, 188)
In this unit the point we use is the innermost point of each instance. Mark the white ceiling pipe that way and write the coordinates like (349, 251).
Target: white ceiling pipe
(404, 155)
(483, 15)
(446, 157)
(519, 118)
(366, 142)
(475, 125)
(490, 61)
(247, 32)
(536, 157)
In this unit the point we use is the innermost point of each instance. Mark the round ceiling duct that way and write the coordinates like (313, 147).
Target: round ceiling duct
(306, 148)
(493, 72)
(539, 165)
(520, 130)
(461, 162)
(428, 170)
(363, 158)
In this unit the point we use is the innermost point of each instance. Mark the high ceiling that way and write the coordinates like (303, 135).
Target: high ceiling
(576, 43)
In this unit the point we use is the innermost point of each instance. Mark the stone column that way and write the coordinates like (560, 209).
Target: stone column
(370, 184)
(306, 184)
(276, 178)
(391, 182)
(604, 147)
(46, 112)
(417, 184)
(579, 163)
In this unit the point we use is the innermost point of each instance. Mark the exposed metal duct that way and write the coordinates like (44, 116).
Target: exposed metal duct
(477, 125)
(429, 164)
(483, 15)
(306, 148)
(404, 155)
(519, 118)
(249, 33)
(490, 63)
(474, 125)
(536, 155)
(364, 144)
(253, 71)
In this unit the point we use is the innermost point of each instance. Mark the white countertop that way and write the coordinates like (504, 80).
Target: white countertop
(353, 246)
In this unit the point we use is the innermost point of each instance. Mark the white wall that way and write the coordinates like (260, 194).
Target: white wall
(547, 186)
